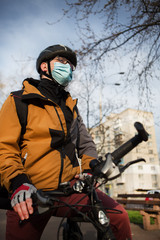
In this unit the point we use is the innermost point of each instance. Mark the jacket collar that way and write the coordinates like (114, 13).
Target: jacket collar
(30, 91)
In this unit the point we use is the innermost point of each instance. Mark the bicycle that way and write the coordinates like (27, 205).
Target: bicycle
(106, 170)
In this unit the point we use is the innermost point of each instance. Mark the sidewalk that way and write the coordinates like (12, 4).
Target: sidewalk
(89, 232)
(139, 233)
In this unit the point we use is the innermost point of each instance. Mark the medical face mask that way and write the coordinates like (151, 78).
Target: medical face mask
(62, 73)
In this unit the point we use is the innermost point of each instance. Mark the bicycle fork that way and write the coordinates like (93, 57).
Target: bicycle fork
(100, 219)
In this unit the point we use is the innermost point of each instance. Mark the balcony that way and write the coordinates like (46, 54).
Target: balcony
(119, 139)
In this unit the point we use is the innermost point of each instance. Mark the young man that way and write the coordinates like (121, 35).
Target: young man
(44, 155)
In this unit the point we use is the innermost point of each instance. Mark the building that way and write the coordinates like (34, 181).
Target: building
(116, 130)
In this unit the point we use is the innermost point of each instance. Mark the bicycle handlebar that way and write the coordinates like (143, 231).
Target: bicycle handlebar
(106, 168)
(130, 144)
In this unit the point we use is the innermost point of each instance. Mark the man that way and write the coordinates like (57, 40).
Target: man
(44, 155)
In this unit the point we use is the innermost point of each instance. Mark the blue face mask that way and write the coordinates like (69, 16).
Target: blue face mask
(62, 73)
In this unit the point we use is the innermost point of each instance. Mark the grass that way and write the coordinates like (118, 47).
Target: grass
(136, 217)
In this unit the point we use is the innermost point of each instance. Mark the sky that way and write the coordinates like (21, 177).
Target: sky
(25, 32)
(26, 28)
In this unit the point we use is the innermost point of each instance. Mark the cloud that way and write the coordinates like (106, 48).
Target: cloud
(25, 32)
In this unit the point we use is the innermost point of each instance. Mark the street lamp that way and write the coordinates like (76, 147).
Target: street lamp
(100, 99)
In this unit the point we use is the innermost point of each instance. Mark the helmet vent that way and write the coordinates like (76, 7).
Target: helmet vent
(64, 47)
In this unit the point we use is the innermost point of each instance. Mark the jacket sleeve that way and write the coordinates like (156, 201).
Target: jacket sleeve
(86, 146)
(10, 154)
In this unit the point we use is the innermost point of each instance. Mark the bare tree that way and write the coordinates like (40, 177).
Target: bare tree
(13, 82)
(88, 87)
(126, 27)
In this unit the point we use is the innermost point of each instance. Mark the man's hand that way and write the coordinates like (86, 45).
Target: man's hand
(78, 186)
(21, 200)
(82, 177)
(24, 209)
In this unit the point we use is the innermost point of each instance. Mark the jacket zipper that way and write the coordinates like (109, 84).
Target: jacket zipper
(62, 165)
(62, 153)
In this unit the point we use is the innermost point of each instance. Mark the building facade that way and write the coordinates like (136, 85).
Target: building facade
(116, 130)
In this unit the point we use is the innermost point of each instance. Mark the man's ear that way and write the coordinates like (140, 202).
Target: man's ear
(44, 67)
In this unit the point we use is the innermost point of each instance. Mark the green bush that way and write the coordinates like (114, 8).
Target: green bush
(136, 217)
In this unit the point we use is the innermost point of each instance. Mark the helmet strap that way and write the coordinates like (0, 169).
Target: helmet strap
(49, 71)
(45, 74)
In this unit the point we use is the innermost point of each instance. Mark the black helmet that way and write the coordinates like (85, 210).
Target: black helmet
(53, 51)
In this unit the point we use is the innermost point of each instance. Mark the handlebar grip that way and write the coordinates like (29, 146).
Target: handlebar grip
(130, 144)
(141, 131)
(125, 148)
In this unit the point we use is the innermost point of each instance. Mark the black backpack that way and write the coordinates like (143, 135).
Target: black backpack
(22, 112)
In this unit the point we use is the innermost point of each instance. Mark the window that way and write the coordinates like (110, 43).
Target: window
(98, 138)
(151, 159)
(154, 178)
(116, 129)
(150, 136)
(140, 176)
(155, 185)
(138, 150)
(140, 167)
(149, 144)
(150, 151)
(153, 168)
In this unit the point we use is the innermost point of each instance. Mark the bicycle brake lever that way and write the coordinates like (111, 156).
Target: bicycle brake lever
(41, 202)
(122, 169)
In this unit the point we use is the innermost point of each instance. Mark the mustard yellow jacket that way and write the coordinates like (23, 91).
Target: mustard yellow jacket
(44, 153)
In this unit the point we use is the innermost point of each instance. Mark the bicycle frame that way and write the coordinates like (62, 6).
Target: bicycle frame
(108, 170)
(97, 214)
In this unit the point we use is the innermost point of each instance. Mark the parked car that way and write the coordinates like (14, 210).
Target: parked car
(152, 192)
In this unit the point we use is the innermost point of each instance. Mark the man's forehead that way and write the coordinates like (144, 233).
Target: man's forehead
(59, 56)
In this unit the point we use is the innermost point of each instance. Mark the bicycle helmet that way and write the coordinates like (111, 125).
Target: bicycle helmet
(56, 50)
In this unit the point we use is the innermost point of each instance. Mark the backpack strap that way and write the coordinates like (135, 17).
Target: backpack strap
(22, 112)
(4, 199)
(22, 109)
